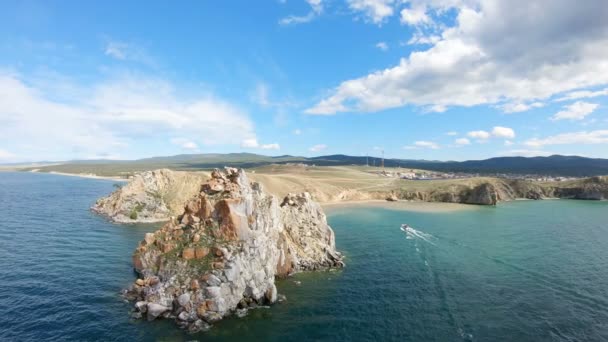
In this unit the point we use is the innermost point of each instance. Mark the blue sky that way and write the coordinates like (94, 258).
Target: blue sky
(422, 79)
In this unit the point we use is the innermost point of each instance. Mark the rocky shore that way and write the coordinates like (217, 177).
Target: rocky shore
(158, 195)
(221, 256)
(150, 196)
(493, 191)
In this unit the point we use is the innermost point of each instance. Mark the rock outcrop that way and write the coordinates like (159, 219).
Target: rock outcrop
(151, 196)
(223, 253)
(594, 188)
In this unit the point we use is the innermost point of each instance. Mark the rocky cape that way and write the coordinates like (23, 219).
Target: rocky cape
(158, 195)
(150, 196)
(223, 253)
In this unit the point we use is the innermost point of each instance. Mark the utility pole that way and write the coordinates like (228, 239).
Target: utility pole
(367, 160)
(382, 160)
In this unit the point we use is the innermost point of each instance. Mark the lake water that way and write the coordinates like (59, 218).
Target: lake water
(523, 271)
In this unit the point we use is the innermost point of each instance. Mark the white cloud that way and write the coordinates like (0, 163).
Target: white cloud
(419, 38)
(508, 143)
(184, 143)
(462, 141)
(317, 148)
(483, 135)
(273, 146)
(382, 46)
(260, 95)
(375, 11)
(452, 133)
(527, 153)
(422, 144)
(107, 117)
(583, 94)
(253, 143)
(316, 8)
(576, 111)
(503, 132)
(6, 155)
(250, 143)
(497, 52)
(519, 107)
(415, 16)
(583, 137)
(297, 131)
(116, 50)
(127, 52)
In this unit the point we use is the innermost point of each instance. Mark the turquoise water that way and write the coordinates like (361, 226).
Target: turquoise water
(524, 271)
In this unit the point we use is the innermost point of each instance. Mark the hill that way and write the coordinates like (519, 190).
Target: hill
(555, 165)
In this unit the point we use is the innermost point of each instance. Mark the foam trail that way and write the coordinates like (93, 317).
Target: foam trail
(412, 233)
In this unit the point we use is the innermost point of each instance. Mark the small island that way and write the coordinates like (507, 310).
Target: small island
(221, 256)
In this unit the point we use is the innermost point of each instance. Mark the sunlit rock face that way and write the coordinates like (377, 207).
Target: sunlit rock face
(226, 249)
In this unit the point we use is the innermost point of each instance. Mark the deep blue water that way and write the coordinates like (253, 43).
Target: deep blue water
(523, 271)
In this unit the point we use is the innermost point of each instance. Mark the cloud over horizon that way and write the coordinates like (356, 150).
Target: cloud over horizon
(540, 50)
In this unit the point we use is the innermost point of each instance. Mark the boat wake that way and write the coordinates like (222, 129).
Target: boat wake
(411, 233)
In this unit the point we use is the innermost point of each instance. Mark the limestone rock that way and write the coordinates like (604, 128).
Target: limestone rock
(226, 249)
(151, 196)
(154, 310)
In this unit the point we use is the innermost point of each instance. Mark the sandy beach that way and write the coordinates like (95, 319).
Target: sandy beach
(430, 207)
(87, 175)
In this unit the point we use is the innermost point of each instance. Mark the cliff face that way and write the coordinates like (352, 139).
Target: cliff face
(594, 188)
(158, 195)
(150, 196)
(225, 251)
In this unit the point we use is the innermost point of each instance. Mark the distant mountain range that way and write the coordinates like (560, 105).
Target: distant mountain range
(556, 165)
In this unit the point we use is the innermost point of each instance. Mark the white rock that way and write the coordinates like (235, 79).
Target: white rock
(183, 299)
(155, 310)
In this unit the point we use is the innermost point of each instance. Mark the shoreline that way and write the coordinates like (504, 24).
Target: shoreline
(429, 207)
(82, 175)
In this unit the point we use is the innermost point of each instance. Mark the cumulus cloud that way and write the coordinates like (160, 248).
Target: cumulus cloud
(482, 135)
(422, 144)
(105, 118)
(253, 143)
(583, 94)
(576, 111)
(317, 148)
(297, 131)
(519, 107)
(497, 132)
(184, 143)
(503, 132)
(497, 52)
(452, 133)
(316, 8)
(462, 141)
(582, 137)
(375, 11)
(382, 46)
(415, 16)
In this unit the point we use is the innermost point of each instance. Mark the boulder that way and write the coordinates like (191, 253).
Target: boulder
(198, 326)
(188, 254)
(154, 310)
(271, 294)
(183, 299)
(201, 252)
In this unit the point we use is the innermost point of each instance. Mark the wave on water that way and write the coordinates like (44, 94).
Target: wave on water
(411, 233)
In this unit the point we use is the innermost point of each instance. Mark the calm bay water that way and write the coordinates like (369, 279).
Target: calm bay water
(524, 271)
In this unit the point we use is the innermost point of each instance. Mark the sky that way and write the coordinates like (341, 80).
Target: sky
(417, 79)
